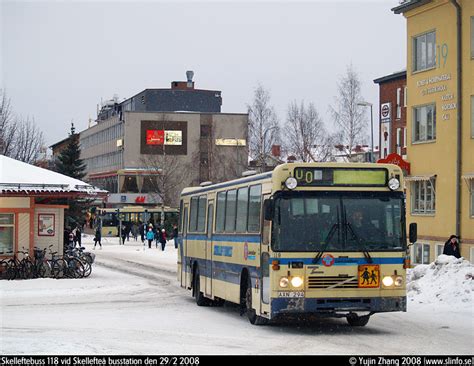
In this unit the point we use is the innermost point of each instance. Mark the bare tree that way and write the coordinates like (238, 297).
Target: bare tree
(7, 125)
(169, 176)
(263, 126)
(306, 137)
(346, 113)
(20, 138)
(29, 141)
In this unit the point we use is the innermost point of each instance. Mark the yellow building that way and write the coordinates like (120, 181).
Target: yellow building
(440, 123)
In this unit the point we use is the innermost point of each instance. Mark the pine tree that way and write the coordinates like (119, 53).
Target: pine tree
(69, 162)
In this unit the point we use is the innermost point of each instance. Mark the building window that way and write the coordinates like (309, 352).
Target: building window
(439, 249)
(472, 255)
(404, 137)
(7, 226)
(405, 96)
(399, 141)
(422, 253)
(424, 47)
(423, 197)
(129, 185)
(424, 123)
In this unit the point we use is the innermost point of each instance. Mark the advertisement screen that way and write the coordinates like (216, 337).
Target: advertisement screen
(173, 138)
(155, 137)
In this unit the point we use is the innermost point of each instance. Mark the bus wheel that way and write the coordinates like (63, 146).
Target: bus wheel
(251, 313)
(357, 321)
(198, 295)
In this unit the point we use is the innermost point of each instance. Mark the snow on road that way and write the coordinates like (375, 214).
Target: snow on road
(132, 304)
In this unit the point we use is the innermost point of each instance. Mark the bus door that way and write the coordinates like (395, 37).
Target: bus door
(210, 219)
(265, 266)
(186, 275)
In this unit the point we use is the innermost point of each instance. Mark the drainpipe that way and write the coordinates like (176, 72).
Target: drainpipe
(459, 116)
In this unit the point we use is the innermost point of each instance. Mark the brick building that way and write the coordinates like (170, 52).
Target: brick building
(392, 112)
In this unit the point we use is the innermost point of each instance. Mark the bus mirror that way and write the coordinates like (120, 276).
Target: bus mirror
(413, 232)
(269, 209)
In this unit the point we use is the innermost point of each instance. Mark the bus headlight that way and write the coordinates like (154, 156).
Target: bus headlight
(393, 184)
(387, 281)
(399, 281)
(291, 183)
(284, 282)
(297, 281)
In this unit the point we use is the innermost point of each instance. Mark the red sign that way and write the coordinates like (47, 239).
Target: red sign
(140, 199)
(155, 137)
(397, 160)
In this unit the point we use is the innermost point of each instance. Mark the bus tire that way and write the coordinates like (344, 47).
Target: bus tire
(357, 321)
(198, 295)
(251, 313)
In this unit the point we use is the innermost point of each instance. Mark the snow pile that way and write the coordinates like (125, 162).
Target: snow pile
(447, 280)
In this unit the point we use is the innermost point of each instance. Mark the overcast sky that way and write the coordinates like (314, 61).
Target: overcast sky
(58, 59)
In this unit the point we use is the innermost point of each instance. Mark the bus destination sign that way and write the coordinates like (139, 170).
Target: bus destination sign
(346, 177)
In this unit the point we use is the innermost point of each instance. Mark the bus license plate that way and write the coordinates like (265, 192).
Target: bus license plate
(291, 294)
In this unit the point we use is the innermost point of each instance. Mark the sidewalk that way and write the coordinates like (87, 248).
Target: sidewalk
(134, 251)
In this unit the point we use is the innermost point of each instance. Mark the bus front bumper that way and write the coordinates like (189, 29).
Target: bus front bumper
(337, 306)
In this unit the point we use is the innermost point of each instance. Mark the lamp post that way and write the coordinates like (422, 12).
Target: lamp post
(367, 104)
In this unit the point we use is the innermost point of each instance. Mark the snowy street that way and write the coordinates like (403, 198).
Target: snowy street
(132, 304)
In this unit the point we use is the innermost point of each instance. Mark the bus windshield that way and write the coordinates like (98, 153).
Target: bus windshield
(338, 221)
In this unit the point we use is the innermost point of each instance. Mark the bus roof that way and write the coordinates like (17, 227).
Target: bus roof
(280, 169)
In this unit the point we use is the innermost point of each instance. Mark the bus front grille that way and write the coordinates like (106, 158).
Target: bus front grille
(332, 282)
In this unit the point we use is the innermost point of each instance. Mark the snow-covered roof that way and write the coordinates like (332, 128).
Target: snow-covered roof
(19, 177)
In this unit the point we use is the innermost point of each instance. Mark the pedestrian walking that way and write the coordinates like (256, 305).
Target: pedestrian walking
(124, 234)
(150, 236)
(135, 231)
(451, 247)
(175, 236)
(98, 237)
(77, 237)
(142, 230)
(163, 239)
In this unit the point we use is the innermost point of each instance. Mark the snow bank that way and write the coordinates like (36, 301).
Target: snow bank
(447, 280)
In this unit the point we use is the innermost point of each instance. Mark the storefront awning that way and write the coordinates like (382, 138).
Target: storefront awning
(417, 178)
(468, 178)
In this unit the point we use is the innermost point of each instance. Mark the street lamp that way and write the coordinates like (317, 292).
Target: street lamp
(368, 104)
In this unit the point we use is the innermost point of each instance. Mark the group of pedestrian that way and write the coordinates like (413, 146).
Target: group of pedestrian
(72, 238)
(154, 234)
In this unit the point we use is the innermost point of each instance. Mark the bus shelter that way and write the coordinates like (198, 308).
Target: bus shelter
(28, 218)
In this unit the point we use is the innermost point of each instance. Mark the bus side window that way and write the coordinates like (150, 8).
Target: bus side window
(242, 209)
(230, 209)
(193, 213)
(220, 212)
(201, 220)
(255, 199)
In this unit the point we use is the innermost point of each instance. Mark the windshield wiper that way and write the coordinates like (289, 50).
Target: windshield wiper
(334, 228)
(360, 242)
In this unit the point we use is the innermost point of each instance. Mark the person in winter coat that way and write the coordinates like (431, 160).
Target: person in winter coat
(124, 234)
(142, 230)
(163, 239)
(451, 247)
(77, 237)
(150, 236)
(175, 235)
(98, 237)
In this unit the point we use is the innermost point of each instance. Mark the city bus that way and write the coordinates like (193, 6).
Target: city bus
(322, 239)
(110, 217)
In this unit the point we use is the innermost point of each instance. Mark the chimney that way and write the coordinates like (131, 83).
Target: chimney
(189, 77)
(276, 150)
